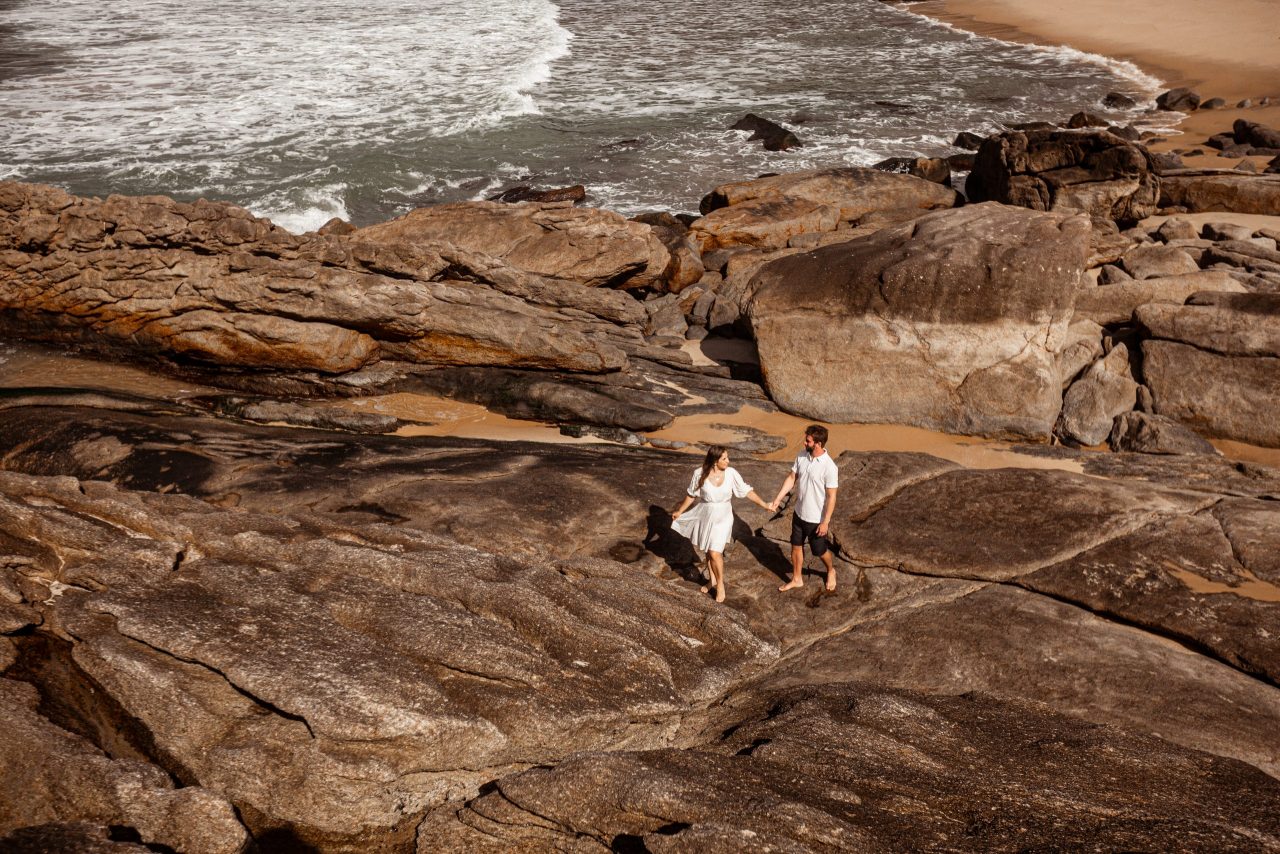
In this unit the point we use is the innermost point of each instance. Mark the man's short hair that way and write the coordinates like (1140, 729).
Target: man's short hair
(818, 432)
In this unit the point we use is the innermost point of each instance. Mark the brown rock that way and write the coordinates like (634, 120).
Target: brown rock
(953, 322)
(1091, 172)
(855, 191)
(1220, 190)
(1150, 261)
(1146, 433)
(1092, 402)
(763, 223)
(1111, 304)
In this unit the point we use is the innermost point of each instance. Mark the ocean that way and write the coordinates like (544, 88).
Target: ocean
(302, 110)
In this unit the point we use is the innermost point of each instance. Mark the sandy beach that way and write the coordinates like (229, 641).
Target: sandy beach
(1232, 52)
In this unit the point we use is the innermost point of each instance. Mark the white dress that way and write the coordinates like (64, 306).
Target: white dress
(709, 525)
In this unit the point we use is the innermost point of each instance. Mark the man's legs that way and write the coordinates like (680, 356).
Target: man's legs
(797, 567)
(831, 569)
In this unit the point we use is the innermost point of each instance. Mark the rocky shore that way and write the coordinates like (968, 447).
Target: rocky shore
(256, 618)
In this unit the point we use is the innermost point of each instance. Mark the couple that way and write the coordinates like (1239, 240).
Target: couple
(710, 525)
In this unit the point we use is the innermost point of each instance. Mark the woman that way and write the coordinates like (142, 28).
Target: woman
(710, 526)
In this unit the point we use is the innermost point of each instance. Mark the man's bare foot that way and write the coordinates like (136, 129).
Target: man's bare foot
(720, 593)
(791, 585)
(831, 580)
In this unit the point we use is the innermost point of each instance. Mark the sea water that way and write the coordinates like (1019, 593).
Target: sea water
(302, 110)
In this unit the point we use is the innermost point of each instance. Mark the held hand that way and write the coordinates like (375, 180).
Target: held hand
(772, 506)
(822, 529)
(676, 515)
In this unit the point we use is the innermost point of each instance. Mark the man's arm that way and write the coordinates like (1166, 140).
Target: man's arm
(786, 487)
(828, 510)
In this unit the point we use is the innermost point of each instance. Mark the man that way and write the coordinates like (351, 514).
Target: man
(817, 477)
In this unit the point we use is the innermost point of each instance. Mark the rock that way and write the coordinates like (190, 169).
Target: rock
(1246, 132)
(685, 267)
(1244, 104)
(935, 169)
(209, 285)
(814, 240)
(666, 317)
(1110, 274)
(1182, 100)
(591, 247)
(920, 324)
(1216, 366)
(1128, 133)
(335, 682)
(1146, 433)
(854, 191)
(1156, 261)
(1092, 402)
(336, 226)
(1164, 162)
(303, 415)
(1246, 166)
(1116, 303)
(1216, 190)
(831, 767)
(773, 135)
(1107, 244)
(1082, 348)
(525, 193)
(1252, 256)
(82, 837)
(1118, 101)
(1087, 120)
(762, 223)
(52, 775)
(1221, 141)
(1177, 229)
(968, 140)
(960, 162)
(1089, 171)
(1213, 104)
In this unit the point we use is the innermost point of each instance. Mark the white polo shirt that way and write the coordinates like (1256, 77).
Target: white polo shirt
(814, 476)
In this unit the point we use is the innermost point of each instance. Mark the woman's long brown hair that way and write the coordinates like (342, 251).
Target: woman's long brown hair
(714, 453)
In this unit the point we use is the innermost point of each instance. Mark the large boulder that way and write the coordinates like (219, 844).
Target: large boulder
(764, 223)
(953, 322)
(1215, 364)
(1090, 171)
(854, 191)
(1145, 433)
(584, 245)
(1199, 190)
(209, 284)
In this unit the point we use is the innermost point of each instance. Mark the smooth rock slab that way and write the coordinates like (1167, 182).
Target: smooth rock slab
(953, 322)
(853, 767)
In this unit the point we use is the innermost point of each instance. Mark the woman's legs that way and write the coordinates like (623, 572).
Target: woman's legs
(715, 560)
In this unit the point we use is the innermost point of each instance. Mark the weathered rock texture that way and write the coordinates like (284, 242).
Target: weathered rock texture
(1215, 364)
(1110, 304)
(209, 283)
(1220, 190)
(584, 245)
(1155, 434)
(1093, 172)
(953, 322)
(768, 212)
(1092, 402)
(338, 674)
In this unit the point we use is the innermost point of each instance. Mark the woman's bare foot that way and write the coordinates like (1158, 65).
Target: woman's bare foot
(791, 585)
(831, 580)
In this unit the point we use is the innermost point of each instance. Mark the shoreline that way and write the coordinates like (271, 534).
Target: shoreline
(1229, 53)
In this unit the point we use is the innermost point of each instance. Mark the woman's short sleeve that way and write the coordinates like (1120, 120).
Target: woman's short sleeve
(740, 487)
(693, 484)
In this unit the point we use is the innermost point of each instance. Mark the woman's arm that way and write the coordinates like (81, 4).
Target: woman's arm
(757, 500)
(684, 505)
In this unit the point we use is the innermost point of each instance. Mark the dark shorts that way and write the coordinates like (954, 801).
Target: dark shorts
(802, 531)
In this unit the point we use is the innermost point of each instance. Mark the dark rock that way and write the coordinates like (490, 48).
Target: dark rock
(1182, 100)
(1110, 274)
(1251, 133)
(774, 136)
(336, 226)
(1088, 171)
(968, 140)
(917, 283)
(960, 162)
(525, 193)
(1118, 101)
(1166, 162)
(1213, 104)
(935, 169)
(1125, 132)
(1086, 120)
(1147, 433)
(1031, 126)
(1244, 104)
